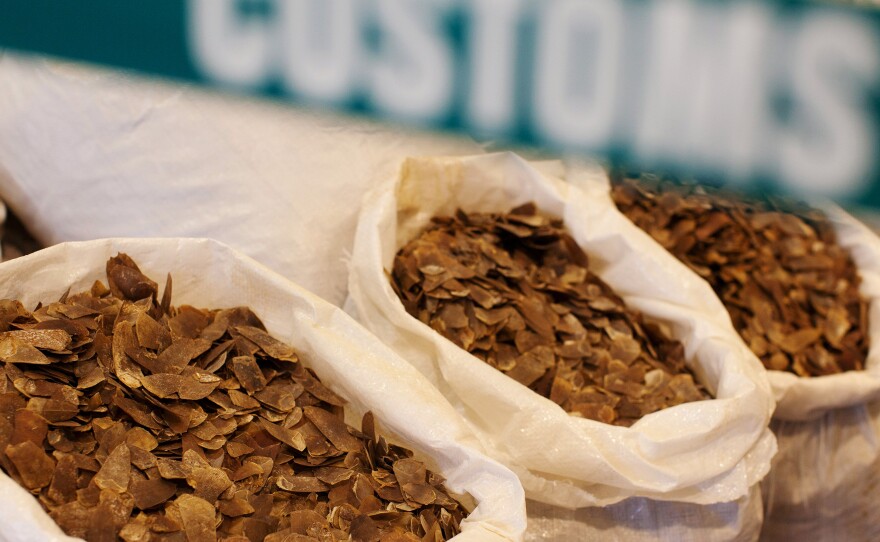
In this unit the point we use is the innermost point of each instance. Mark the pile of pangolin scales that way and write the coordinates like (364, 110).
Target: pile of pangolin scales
(514, 289)
(131, 419)
(791, 290)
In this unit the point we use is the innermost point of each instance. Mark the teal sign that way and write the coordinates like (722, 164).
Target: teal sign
(782, 94)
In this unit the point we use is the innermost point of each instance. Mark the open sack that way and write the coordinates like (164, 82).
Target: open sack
(349, 360)
(703, 452)
(824, 481)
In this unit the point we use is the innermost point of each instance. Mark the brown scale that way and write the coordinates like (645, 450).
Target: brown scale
(515, 290)
(130, 419)
(791, 290)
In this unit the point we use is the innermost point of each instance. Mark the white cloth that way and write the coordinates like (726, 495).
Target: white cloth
(87, 153)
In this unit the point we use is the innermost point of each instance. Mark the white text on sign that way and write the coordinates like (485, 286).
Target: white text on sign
(740, 89)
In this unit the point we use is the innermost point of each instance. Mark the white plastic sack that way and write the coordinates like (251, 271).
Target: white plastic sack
(91, 153)
(638, 519)
(824, 481)
(800, 399)
(703, 453)
(823, 484)
(344, 355)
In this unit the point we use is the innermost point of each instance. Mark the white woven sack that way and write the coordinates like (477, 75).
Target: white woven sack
(703, 453)
(344, 355)
(639, 519)
(825, 480)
